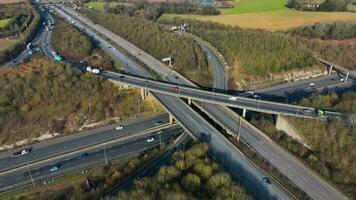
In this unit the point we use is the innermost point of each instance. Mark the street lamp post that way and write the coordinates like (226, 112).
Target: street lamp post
(106, 160)
(33, 182)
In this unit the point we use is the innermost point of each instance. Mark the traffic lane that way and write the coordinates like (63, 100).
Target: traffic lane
(229, 156)
(192, 126)
(73, 163)
(310, 183)
(69, 143)
(215, 98)
(219, 79)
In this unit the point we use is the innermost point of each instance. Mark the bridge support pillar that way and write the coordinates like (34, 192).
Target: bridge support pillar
(330, 68)
(189, 101)
(347, 76)
(244, 112)
(171, 119)
(144, 94)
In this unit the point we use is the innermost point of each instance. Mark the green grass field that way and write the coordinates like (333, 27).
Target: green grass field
(5, 22)
(248, 6)
(269, 14)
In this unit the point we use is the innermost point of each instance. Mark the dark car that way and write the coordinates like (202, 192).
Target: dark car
(83, 156)
(266, 180)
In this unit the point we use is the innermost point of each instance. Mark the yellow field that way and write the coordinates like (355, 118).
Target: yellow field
(274, 20)
(4, 43)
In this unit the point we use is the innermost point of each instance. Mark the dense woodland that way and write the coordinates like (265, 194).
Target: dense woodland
(189, 59)
(44, 96)
(153, 10)
(71, 43)
(253, 52)
(338, 30)
(332, 153)
(191, 175)
(323, 5)
(21, 32)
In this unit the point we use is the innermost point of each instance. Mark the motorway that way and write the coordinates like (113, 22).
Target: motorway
(227, 154)
(124, 147)
(66, 144)
(311, 184)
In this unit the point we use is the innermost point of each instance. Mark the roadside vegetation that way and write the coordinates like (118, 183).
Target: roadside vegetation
(189, 60)
(47, 97)
(332, 143)
(90, 185)
(191, 175)
(5, 22)
(250, 53)
(21, 28)
(152, 10)
(71, 43)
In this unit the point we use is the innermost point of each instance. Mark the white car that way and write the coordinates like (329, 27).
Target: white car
(150, 139)
(232, 98)
(21, 153)
(119, 127)
(311, 84)
(342, 79)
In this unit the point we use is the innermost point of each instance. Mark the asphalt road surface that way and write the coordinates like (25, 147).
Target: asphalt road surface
(67, 144)
(220, 77)
(128, 146)
(192, 122)
(319, 189)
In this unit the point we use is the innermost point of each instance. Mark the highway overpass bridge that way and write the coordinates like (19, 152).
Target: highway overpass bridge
(218, 98)
(340, 69)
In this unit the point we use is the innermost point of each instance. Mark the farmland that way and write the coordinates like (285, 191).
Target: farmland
(99, 5)
(269, 14)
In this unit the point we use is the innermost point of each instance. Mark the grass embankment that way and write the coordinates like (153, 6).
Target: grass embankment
(5, 43)
(190, 175)
(151, 37)
(47, 97)
(73, 186)
(5, 22)
(269, 14)
(332, 154)
(100, 5)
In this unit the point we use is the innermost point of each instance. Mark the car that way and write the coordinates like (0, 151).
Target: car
(175, 87)
(307, 110)
(119, 127)
(109, 47)
(266, 180)
(160, 132)
(232, 98)
(150, 139)
(83, 156)
(54, 168)
(121, 76)
(139, 54)
(311, 84)
(159, 123)
(342, 79)
(21, 153)
(255, 96)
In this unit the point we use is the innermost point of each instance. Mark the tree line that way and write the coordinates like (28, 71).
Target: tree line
(153, 10)
(190, 175)
(159, 42)
(25, 36)
(254, 52)
(338, 30)
(323, 5)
